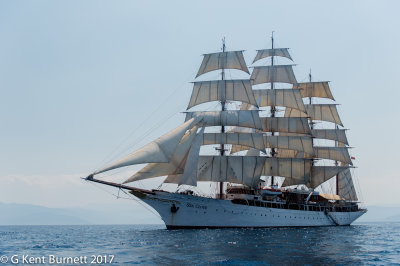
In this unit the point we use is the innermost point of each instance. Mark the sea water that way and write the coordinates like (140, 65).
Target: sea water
(372, 243)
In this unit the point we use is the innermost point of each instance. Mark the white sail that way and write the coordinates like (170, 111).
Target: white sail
(331, 134)
(189, 176)
(346, 186)
(280, 97)
(250, 140)
(296, 143)
(176, 164)
(222, 90)
(222, 60)
(289, 168)
(285, 153)
(278, 73)
(236, 147)
(340, 154)
(318, 89)
(236, 169)
(323, 112)
(282, 52)
(158, 151)
(253, 152)
(227, 118)
(285, 124)
(320, 174)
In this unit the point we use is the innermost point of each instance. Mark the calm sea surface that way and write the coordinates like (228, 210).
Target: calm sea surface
(374, 244)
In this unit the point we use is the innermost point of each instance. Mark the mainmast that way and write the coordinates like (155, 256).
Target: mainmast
(273, 109)
(222, 146)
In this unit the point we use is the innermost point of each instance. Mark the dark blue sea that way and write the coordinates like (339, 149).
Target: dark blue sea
(366, 244)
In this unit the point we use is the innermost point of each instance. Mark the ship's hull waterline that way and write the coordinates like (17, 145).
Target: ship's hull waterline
(189, 212)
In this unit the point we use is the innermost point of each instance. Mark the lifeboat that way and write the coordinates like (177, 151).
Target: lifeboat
(271, 191)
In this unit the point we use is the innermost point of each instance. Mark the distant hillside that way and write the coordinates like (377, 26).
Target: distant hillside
(381, 214)
(21, 214)
(25, 214)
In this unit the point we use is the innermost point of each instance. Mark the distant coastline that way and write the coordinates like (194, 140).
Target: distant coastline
(27, 214)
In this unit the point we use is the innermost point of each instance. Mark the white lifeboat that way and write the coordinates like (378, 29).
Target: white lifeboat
(271, 191)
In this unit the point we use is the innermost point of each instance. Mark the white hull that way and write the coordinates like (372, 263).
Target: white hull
(199, 212)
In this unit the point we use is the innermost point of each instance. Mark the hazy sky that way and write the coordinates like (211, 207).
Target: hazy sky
(79, 77)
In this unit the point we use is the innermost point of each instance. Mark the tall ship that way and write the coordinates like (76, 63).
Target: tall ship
(272, 155)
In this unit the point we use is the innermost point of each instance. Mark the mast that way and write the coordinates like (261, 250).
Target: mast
(222, 147)
(273, 109)
(336, 164)
(311, 121)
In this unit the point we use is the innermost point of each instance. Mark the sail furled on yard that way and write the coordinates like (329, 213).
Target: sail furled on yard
(236, 169)
(250, 140)
(264, 53)
(222, 90)
(318, 89)
(285, 124)
(275, 73)
(323, 112)
(321, 174)
(346, 186)
(296, 143)
(158, 151)
(249, 118)
(280, 97)
(174, 166)
(223, 60)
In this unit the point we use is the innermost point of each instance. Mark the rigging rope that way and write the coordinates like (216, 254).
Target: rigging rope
(112, 155)
(131, 198)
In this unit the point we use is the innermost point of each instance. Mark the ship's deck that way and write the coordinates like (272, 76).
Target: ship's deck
(334, 207)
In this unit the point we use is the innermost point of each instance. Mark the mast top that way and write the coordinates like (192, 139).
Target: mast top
(272, 39)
